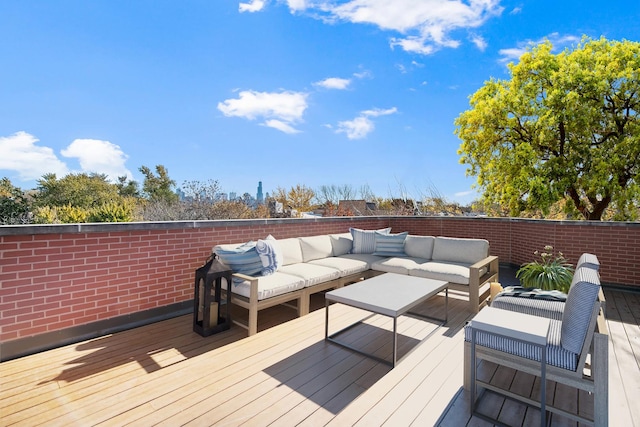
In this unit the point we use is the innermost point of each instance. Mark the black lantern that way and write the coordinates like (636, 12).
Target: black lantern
(210, 311)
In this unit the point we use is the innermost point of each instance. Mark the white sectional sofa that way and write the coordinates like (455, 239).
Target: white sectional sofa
(307, 265)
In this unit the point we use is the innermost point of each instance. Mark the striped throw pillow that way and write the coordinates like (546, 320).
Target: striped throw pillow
(364, 241)
(390, 244)
(241, 259)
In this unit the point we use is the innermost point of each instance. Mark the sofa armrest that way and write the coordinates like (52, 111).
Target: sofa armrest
(253, 283)
(479, 283)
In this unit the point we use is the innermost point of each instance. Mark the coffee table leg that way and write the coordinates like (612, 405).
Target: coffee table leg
(395, 340)
(326, 319)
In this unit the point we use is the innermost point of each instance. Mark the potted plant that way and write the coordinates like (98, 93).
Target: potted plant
(551, 271)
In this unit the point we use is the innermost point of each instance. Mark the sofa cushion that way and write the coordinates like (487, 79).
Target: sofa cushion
(341, 243)
(364, 241)
(578, 308)
(389, 244)
(311, 274)
(240, 257)
(270, 254)
(588, 260)
(447, 271)
(369, 259)
(291, 252)
(400, 265)
(419, 246)
(346, 266)
(315, 247)
(268, 286)
(458, 250)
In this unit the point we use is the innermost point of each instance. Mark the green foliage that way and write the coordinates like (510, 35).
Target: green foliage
(61, 215)
(160, 187)
(14, 205)
(551, 271)
(114, 211)
(80, 190)
(127, 188)
(565, 126)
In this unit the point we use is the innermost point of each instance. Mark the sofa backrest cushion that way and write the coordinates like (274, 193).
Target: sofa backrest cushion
(467, 251)
(419, 246)
(315, 247)
(364, 241)
(240, 257)
(291, 252)
(578, 308)
(341, 243)
(391, 245)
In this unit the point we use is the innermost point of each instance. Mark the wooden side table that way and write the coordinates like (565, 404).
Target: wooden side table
(515, 326)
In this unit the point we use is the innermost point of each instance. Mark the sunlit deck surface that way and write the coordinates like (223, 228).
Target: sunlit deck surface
(287, 375)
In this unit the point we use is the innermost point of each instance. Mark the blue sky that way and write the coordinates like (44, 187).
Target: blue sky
(359, 92)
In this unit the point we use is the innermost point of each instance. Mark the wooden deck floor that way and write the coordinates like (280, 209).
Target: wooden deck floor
(164, 374)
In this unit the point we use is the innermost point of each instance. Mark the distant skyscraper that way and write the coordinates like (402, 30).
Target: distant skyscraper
(259, 197)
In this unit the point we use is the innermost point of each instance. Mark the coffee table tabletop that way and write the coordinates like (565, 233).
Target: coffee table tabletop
(390, 294)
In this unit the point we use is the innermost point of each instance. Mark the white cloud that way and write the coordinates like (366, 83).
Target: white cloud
(559, 42)
(281, 126)
(376, 112)
(357, 128)
(362, 125)
(19, 153)
(276, 108)
(479, 41)
(334, 83)
(99, 156)
(425, 26)
(252, 6)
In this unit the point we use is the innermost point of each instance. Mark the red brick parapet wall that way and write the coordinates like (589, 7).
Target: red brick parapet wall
(54, 277)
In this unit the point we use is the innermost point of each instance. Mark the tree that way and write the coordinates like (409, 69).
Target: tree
(160, 187)
(79, 190)
(298, 198)
(127, 188)
(564, 126)
(14, 205)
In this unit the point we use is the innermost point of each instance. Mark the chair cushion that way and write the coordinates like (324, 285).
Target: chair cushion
(315, 247)
(589, 261)
(341, 243)
(389, 244)
(346, 266)
(400, 265)
(240, 257)
(557, 355)
(364, 241)
(312, 274)
(578, 308)
(419, 246)
(270, 255)
(533, 306)
(268, 286)
(457, 250)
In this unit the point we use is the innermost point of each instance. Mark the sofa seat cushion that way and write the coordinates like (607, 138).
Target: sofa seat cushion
(311, 274)
(447, 271)
(368, 258)
(268, 286)
(400, 265)
(346, 266)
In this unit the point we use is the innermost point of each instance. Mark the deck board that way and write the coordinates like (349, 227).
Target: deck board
(165, 374)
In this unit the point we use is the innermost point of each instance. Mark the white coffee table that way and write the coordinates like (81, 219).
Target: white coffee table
(389, 294)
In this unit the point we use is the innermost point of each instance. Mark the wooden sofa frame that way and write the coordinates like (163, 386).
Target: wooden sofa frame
(478, 291)
(596, 344)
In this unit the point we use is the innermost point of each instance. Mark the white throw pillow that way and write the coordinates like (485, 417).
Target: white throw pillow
(270, 255)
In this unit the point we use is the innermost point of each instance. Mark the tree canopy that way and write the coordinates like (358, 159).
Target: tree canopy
(565, 126)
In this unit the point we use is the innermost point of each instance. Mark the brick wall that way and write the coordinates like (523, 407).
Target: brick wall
(57, 277)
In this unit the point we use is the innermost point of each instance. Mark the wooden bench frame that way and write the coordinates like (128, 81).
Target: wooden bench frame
(478, 290)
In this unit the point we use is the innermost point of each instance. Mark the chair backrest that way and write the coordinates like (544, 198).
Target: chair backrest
(588, 260)
(580, 310)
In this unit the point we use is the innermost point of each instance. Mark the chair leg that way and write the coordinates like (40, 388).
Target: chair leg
(467, 367)
(600, 372)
